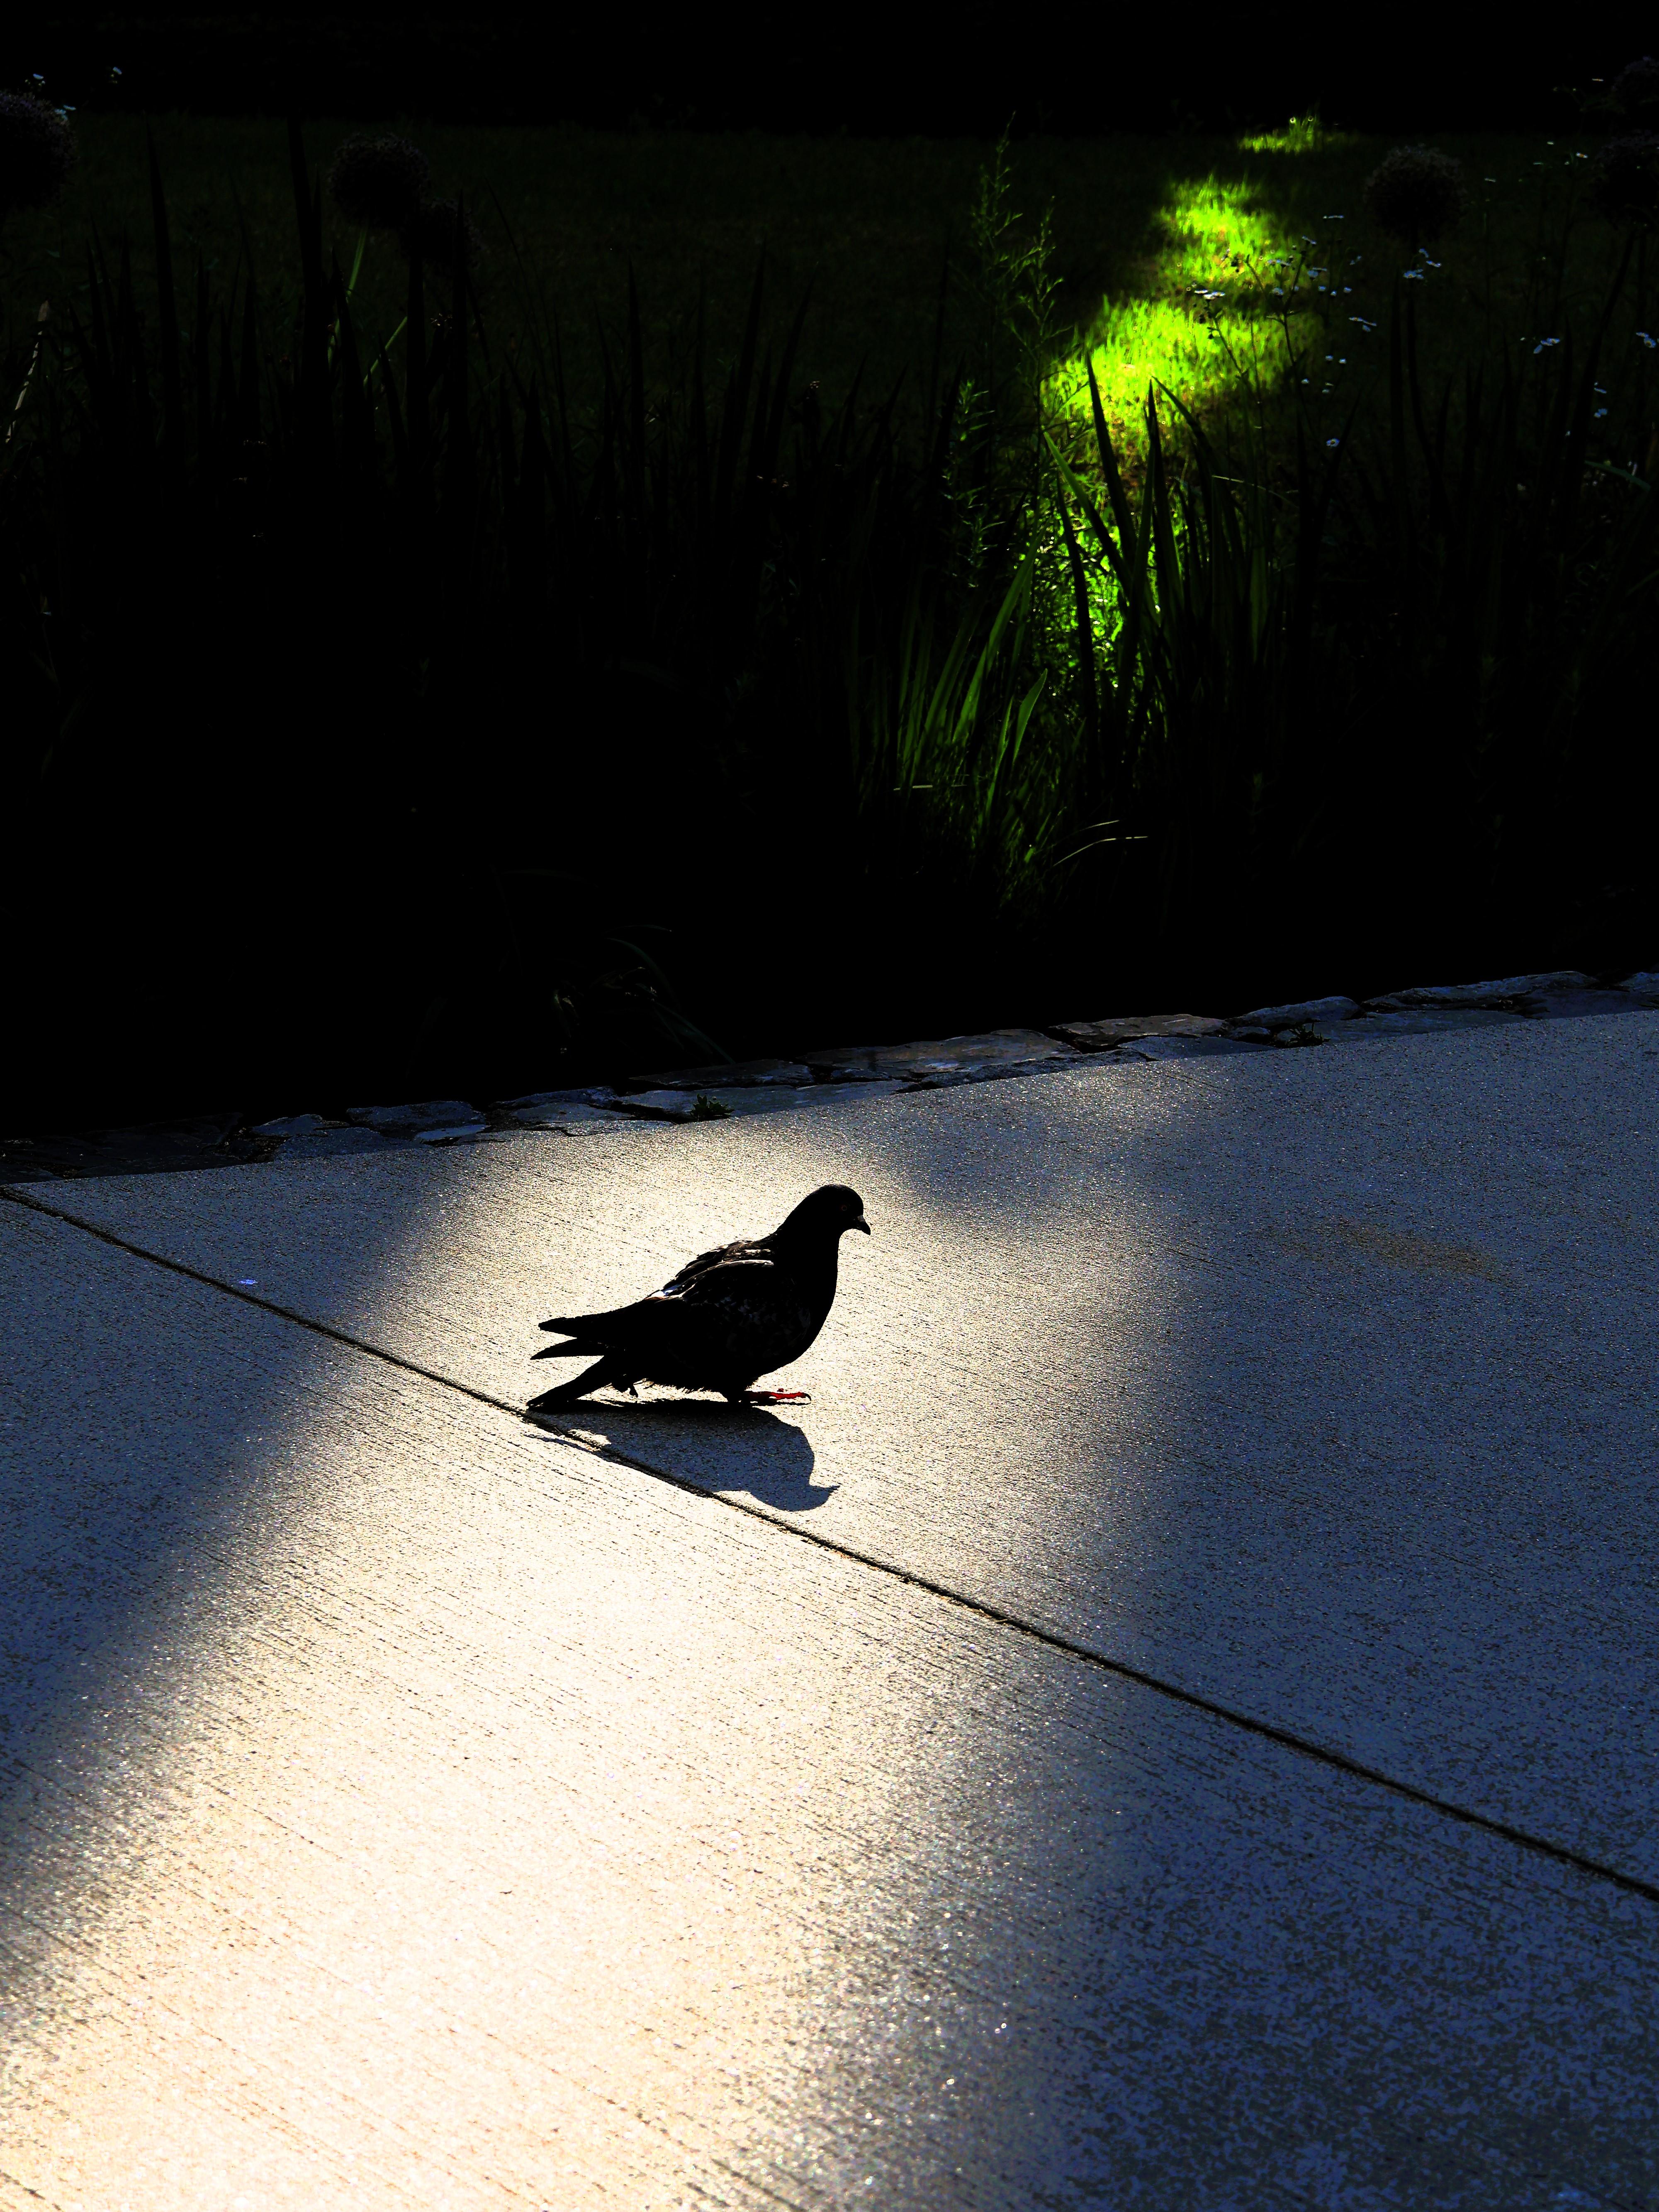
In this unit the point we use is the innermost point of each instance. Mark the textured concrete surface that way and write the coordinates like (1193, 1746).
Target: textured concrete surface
(1322, 1384)
(408, 1805)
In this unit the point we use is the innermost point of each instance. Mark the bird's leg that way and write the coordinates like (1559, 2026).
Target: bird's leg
(775, 1398)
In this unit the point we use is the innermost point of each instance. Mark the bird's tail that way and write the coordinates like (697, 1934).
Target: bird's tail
(583, 1328)
(579, 1386)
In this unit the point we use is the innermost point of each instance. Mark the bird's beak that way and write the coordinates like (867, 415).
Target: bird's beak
(859, 1224)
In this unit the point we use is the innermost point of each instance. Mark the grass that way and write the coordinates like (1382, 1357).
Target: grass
(631, 666)
(568, 214)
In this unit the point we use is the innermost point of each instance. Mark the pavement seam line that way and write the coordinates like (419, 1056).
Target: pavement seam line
(1303, 1746)
(7, 2175)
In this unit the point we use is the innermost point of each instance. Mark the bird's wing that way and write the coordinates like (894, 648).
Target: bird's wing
(741, 1247)
(736, 1320)
(585, 1325)
(604, 1332)
(713, 1286)
(743, 1316)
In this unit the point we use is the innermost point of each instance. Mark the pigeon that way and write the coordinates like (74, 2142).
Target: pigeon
(728, 1316)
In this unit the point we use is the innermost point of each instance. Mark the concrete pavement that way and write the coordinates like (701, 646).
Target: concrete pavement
(412, 1807)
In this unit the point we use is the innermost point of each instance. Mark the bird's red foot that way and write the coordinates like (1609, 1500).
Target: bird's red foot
(777, 1397)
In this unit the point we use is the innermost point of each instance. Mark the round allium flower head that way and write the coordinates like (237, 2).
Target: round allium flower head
(1625, 179)
(379, 181)
(1415, 194)
(37, 152)
(1635, 91)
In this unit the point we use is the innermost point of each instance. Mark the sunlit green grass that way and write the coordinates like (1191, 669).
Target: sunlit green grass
(1142, 227)
(1262, 273)
(1302, 134)
(1222, 311)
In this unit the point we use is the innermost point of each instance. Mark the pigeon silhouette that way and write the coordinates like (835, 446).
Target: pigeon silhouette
(728, 1316)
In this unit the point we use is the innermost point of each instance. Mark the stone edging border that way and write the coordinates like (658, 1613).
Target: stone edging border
(825, 1077)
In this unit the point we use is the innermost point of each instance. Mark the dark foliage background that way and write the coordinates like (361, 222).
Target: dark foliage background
(384, 721)
(933, 70)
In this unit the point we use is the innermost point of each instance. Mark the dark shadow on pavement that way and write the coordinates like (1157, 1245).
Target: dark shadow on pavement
(716, 1446)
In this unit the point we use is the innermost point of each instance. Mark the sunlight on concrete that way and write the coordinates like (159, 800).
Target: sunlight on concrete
(373, 1919)
(409, 1807)
(408, 1794)
(425, 1799)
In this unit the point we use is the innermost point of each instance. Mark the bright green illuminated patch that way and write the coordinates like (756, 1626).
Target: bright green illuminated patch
(1302, 134)
(1221, 313)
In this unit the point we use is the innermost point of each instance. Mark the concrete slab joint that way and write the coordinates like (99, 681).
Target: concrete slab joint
(1167, 1723)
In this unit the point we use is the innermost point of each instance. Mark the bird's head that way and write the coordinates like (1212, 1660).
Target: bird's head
(829, 1213)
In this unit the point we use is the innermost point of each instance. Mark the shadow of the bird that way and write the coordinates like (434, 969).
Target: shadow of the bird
(718, 1446)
